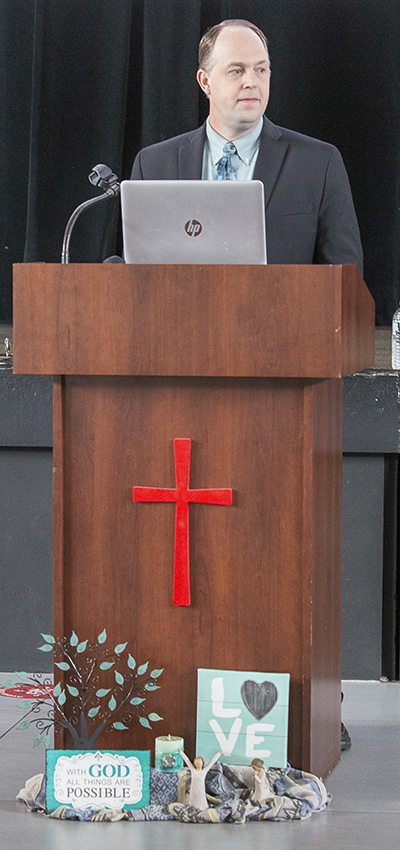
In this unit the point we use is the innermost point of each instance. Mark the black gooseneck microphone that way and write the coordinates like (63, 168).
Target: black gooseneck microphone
(101, 176)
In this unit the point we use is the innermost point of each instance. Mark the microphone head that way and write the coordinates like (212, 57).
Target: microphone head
(102, 176)
(100, 172)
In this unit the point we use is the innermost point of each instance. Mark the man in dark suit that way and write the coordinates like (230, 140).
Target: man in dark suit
(310, 216)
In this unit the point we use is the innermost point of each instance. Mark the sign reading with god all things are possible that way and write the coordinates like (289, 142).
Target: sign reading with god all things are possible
(99, 779)
(243, 714)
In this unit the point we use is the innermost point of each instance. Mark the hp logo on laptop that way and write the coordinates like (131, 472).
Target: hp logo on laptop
(193, 227)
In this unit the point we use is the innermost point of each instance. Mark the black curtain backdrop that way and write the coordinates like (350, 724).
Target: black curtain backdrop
(88, 81)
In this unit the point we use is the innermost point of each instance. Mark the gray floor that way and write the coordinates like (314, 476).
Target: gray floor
(364, 812)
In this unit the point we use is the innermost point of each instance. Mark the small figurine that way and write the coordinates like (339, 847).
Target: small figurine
(262, 790)
(198, 773)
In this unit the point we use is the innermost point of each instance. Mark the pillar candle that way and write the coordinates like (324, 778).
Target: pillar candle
(167, 745)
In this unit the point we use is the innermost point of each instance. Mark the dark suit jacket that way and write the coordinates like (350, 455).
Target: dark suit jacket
(310, 215)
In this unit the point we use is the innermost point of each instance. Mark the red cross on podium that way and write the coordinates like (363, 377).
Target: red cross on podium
(182, 496)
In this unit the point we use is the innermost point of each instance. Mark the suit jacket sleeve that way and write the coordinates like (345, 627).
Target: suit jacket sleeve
(338, 236)
(137, 173)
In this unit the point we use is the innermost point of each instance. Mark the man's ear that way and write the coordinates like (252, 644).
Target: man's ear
(202, 79)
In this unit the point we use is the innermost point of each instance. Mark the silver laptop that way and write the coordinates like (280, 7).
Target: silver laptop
(193, 221)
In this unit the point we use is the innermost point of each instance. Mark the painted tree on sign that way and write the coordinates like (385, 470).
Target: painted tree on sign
(91, 708)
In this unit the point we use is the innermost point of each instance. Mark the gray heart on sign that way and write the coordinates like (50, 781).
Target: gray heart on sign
(259, 698)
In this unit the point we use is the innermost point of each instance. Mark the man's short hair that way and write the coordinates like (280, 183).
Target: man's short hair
(207, 43)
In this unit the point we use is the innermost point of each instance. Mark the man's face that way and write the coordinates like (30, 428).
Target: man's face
(237, 83)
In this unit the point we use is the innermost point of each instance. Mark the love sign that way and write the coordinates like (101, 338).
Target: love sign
(243, 714)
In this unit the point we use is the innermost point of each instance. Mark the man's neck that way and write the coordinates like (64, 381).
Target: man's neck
(230, 134)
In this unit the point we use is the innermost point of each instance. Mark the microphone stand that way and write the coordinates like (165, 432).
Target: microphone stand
(103, 177)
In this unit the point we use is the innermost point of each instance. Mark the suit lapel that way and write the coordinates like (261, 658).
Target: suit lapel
(271, 154)
(190, 155)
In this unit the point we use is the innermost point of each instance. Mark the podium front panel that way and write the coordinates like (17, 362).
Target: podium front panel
(264, 571)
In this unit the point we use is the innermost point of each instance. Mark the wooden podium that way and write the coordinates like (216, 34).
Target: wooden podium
(246, 362)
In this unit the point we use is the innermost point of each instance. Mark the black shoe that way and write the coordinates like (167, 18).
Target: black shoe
(344, 738)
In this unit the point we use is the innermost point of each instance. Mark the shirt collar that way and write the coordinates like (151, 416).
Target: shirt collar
(246, 146)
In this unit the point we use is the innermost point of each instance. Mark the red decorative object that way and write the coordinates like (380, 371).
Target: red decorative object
(182, 496)
(26, 692)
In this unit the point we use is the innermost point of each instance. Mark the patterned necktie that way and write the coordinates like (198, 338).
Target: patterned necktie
(224, 168)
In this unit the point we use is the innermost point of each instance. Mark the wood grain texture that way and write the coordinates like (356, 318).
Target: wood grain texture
(256, 566)
(358, 319)
(249, 321)
(322, 588)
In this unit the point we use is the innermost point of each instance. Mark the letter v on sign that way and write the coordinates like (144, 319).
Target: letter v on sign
(227, 744)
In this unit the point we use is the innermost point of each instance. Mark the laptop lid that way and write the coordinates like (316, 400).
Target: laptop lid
(193, 221)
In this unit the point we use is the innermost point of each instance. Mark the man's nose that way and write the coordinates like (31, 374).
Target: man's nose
(249, 78)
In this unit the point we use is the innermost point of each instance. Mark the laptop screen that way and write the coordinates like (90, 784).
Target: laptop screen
(193, 221)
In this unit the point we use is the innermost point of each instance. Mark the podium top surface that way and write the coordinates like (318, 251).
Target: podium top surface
(176, 320)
